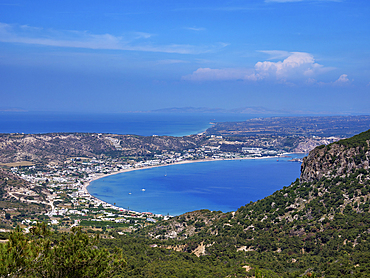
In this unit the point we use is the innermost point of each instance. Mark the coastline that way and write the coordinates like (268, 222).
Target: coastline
(99, 176)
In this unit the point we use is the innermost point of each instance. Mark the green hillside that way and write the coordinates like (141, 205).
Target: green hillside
(359, 140)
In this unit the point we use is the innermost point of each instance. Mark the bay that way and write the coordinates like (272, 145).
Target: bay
(174, 189)
(213, 185)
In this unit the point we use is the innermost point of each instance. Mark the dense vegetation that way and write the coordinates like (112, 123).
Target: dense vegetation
(321, 228)
(41, 254)
(359, 140)
(318, 226)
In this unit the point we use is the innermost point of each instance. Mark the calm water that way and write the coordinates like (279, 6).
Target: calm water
(145, 124)
(216, 185)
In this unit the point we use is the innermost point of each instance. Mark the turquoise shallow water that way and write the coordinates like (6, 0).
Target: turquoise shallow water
(216, 185)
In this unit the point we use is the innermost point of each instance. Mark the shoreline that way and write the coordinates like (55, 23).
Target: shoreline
(100, 176)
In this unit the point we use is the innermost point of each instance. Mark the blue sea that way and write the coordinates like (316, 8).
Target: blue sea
(175, 189)
(145, 124)
(215, 185)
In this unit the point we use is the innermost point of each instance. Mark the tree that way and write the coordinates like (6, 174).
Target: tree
(73, 255)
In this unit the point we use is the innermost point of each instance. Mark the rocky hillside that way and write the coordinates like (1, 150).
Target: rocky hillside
(57, 147)
(49, 147)
(337, 159)
(19, 198)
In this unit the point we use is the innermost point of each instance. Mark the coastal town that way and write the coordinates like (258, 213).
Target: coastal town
(59, 182)
(70, 204)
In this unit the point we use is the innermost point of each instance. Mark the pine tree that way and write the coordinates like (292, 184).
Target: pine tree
(74, 255)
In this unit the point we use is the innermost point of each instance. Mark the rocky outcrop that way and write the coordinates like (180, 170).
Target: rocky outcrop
(307, 144)
(41, 148)
(337, 159)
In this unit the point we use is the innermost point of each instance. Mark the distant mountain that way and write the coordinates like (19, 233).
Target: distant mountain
(12, 109)
(252, 110)
(190, 110)
(242, 110)
(259, 110)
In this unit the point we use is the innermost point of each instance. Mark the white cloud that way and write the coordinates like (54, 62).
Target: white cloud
(311, 81)
(77, 39)
(172, 61)
(342, 80)
(207, 74)
(195, 28)
(142, 35)
(297, 67)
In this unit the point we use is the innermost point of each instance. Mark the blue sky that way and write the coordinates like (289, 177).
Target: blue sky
(135, 55)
